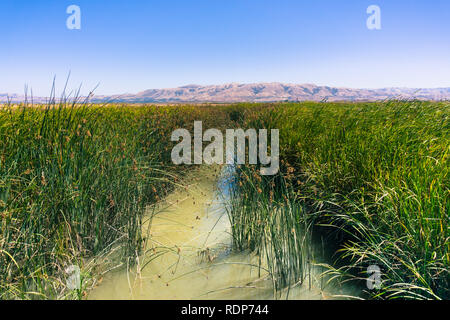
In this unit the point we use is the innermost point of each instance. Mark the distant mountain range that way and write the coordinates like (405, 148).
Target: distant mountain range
(262, 92)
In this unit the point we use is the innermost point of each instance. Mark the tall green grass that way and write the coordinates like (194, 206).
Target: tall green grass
(374, 176)
(266, 219)
(371, 178)
(75, 179)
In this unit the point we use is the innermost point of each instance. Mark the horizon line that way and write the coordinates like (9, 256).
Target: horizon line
(238, 83)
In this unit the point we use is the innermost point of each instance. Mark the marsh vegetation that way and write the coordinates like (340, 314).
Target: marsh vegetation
(360, 184)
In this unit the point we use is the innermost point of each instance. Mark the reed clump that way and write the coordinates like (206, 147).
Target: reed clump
(75, 179)
(371, 176)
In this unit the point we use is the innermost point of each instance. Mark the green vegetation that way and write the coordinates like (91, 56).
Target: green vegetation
(370, 179)
(74, 183)
(371, 176)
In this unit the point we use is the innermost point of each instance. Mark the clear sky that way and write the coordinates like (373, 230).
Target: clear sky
(133, 45)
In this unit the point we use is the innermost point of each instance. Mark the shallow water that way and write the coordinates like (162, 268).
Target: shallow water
(188, 254)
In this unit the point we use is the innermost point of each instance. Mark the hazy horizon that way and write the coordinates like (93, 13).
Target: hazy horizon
(216, 84)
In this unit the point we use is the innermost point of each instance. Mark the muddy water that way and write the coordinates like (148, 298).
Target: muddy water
(188, 253)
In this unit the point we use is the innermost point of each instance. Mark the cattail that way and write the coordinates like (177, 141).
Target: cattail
(43, 180)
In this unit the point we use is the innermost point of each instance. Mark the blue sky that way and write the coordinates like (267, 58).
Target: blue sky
(133, 45)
